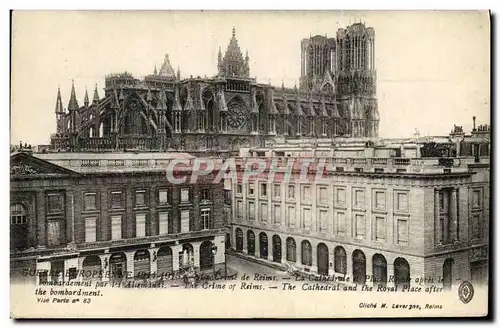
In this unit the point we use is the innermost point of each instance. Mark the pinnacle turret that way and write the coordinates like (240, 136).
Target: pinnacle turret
(59, 106)
(73, 103)
(86, 98)
(95, 99)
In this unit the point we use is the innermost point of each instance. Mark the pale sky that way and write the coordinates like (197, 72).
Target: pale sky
(433, 68)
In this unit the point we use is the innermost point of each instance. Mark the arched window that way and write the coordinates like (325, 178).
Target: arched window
(379, 270)
(306, 251)
(263, 245)
(358, 267)
(239, 240)
(164, 262)
(340, 260)
(276, 248)
(90, 265)
(448, 273)
(323, 259)
(206, 256)
(18, 226)
(250, 243)
(401, 272)
(141, 264)
(291, 250)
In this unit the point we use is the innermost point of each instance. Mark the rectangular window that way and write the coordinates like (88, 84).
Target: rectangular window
(306, 218)
(263, 190)
(306, 194)
(239, 188)
(341, 226)
(184, 221)
(476, 227)
(185, 195)
(54, 203)
(323, 195)
(90, 230)
(140, 225)
(360, 225)
(140, 198)
(380, 228)
(251, 189)
(116, 227)
(402, 202)
(359, 198)
(205, 219)
(205, 194)
(90, 201)
(163, 223)
(291, 192)
(340, 200)
(380, 200)
(277, 191)
(290, 216)
(239, 210)
(263, 212)
(116, 199)
(323, 221)
(54, 232)
(163, 197)
(402, 231)
(277, 214)
(476, 198)
(251, 210)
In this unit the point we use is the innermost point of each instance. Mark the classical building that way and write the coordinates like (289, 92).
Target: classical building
(231, 110)
(385, 210)
(114, 214)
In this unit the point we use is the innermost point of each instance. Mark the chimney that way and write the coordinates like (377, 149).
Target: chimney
(473, 123)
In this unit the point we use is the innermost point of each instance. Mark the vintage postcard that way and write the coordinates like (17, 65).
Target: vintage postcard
(237, 164)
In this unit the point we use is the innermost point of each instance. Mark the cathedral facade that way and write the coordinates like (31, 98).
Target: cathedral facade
(221, 114)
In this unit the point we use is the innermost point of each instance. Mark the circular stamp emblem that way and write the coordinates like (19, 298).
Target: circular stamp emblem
(465, 292)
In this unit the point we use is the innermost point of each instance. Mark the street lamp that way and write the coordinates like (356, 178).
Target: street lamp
(214, 251)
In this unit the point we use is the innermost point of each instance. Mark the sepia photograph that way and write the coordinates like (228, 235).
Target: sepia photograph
(250, 164)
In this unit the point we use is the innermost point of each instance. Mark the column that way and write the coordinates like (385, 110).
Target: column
(453, 215)
(70, 215)
(314, 256)
(175, 257)
(257, 244)
(390, 273)
(437, 219)
(369, 269)
(153, 262)
(40, 216)
(196, 254)
(130, 265)
(105, 266)
(283, 248)
(245, 242)
(348, 260)
(152, 230)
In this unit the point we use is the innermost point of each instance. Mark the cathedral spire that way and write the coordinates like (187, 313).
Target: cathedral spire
(178, 73)
(86, 98)
(155, 72)
(73, 103)
(95, 100)
(59, 106)
(233, 63)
